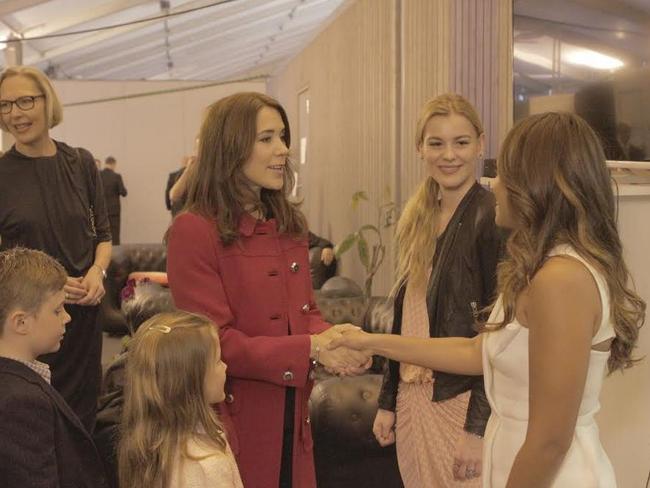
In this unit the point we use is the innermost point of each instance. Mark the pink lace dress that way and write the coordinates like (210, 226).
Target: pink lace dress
(426, 431)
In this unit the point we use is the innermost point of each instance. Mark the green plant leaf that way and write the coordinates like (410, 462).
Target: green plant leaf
(345, 244)
(366, 227)
(362, 247)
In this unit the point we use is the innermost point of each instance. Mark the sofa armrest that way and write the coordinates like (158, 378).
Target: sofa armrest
(125, 259)
(148, 300)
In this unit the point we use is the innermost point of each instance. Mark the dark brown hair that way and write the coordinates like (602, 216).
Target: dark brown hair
(218, 189)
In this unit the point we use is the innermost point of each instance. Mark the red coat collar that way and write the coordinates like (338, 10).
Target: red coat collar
(248, 224)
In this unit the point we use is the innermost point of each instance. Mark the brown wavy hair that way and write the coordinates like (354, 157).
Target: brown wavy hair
(559, 191)
(164, 402)
(218, 189)
(416, 230)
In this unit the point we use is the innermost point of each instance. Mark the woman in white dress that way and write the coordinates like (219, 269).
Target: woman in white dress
(565, 312)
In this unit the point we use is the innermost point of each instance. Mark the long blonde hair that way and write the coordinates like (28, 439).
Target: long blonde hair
(560, 192)
(416, 230)
(164, 397)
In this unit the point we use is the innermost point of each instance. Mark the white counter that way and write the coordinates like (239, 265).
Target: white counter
(625, 416)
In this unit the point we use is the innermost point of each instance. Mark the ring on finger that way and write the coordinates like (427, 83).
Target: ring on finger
(470, 473)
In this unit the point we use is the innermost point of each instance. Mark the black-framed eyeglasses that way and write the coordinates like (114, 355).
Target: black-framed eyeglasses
(23, 103)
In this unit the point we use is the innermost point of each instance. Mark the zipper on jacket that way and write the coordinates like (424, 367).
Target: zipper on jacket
(474, 306)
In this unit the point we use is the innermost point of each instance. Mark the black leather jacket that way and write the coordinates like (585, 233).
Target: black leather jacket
(462, 283)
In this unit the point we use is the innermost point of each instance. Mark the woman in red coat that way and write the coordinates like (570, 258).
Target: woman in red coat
(238, 254)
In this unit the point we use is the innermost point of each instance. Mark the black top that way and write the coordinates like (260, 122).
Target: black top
(45, 204)
(317, 241)
(176, 206)
(113, 189)
(461, 285)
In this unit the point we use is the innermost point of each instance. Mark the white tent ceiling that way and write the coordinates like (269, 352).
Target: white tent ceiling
(188, 40)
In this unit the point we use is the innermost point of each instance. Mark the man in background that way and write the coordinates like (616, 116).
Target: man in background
(176, 189)
(113, 189)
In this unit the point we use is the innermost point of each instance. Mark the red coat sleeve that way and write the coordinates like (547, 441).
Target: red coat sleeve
(196, 286)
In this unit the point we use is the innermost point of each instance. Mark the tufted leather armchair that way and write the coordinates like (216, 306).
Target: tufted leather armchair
(342, 410)
(125, 259)
(346, 454)
(340, 300)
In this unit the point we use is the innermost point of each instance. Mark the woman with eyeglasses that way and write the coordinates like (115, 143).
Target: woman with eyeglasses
(51, 199)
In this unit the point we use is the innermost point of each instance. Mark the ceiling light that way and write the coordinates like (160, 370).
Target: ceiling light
(533, 58)
(591, 59)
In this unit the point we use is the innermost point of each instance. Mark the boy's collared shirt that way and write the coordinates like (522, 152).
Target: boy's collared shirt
(40, 368)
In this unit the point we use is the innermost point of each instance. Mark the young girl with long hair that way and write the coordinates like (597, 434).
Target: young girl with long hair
(448, 247)
(565, 313)
(238, 254)
(171, 436)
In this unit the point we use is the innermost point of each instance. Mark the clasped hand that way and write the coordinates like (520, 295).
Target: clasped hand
(352, 338)
(86, 290)
(340, 360)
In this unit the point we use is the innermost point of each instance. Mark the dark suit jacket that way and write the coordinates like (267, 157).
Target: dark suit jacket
(113, 190)
(42, 442)
(175, 207)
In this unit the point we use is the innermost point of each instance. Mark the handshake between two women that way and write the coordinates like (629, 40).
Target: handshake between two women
(328, 350)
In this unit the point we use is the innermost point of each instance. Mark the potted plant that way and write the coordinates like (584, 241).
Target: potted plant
(369, 239)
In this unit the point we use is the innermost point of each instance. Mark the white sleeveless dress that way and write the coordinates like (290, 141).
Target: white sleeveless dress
(505, 368)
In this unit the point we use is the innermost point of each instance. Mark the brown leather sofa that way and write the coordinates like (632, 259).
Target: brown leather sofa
(125, 259)
(129, 258)
(346, 454)
(342, 410)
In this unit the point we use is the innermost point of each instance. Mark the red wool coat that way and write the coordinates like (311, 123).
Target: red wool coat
(255, 290)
